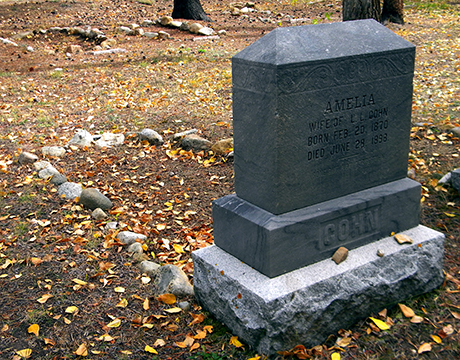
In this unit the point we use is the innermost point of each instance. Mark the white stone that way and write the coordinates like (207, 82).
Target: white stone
(81, 138)
(129, 237)
(40, 165)
(195, 27)
(149, 267)
(70, 190)
(109, 140)
(206, 31)
(135, 248)
(57, 151)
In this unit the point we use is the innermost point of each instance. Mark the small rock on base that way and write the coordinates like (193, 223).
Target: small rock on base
(340, 255)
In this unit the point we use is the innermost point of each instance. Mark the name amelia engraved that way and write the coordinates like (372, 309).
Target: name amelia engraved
(349, 228)
(349, 103)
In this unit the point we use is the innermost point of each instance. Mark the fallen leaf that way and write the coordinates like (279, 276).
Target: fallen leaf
(424, 348)
(407, 311)
(195, 346)
(436, 339)
(403, 239)
(167, 298)
(335, 356)
(114, 323)
(79, 282)
(36, 261)
(25, 353)
(208, 328)
(178, 249)
(67, 321)
(119, 289)
(448, 329)
(416, 320)
(159, 343)
(49, 342)
(105, 337)
(197, 319)
(122, 303)
(455, 315)
(173, 310)
(33, 329)
(235, 342)
(255, 358)
(145, 280)
(343, 342)
(200, 335)
(145, 304)
(150, 349)
(380, 324)
(71, 310)
(82, 351)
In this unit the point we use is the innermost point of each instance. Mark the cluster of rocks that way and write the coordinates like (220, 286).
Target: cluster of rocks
(168, 278)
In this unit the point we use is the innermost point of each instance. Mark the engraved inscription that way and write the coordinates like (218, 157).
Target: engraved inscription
(345, 229)
(348, 125)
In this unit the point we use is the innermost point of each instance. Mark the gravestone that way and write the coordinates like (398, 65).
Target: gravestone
(321, 118)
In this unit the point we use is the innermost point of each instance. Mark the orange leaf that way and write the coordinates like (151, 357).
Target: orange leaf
(167, 298)
(49, 341)
(407, 311)
(33, 329)
(197, 319)
(194, 346)
(145, 304)
(200, 335)
(424, 348)
(82, 351)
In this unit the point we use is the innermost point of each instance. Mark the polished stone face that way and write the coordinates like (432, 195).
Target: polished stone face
(320, 112)
(276, 244)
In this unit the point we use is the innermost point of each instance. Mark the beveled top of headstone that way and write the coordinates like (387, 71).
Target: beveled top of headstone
(290, 45)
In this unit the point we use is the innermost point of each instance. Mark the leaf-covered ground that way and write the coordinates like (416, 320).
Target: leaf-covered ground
(67, 295)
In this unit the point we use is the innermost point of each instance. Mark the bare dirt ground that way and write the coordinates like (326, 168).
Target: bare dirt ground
(47, 243)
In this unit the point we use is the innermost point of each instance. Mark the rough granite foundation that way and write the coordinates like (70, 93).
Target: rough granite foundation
(306, 305)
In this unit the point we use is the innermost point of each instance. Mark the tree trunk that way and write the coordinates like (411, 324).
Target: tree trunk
(189, 9)
(361, 9)
(393, 11)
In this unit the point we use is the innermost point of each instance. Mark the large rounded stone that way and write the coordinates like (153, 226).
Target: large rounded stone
(70, 190)
(93, 199)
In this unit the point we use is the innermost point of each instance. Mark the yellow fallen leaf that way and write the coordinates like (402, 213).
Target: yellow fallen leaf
(167, 298)
(79, 282)
(403, 239)
(33, 329)
(178, 249)
(67, 321)
(407, 311)
(105, 337)
(150, 349)
(82, 351)
(126, 352)
(343, 342)
(114, 323)
(335, 356)
(173, 310)
(235, 342)
(208, 328)
(449, 214)
(25, 353)
(200, 335)
(71, 310)
(380, 324)
(148, 326)
(36, 261)
(146, 304)
(122, 303)
(424, 348)
(255, 358)
(49, 342)
(436, 338)
(194, 346)
(159, 342)
(181, 344)
(119, 289)
(160, 226)
(145, 247)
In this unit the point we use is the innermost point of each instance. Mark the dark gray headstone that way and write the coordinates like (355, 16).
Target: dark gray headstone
(320, 112)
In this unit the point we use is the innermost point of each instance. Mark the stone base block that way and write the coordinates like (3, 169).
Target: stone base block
(308, 304)
(277, 244)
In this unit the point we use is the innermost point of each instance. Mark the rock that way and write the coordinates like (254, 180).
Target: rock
(340, 255)
(195, 27)
(146, 23)
(47, 172)
(446, 179)
(139, 31)
(222, 146)
(455, 179)
(151, 35)
(455, 131)
(151, 136)
(58, 179)
(81, 138)
(109, 140)
(126, 30)
(93, 198)
(195, 142)
(27, 158)
(166, 20)
(206, 31)
(57, 151)
(109, 51)
(55, 29)
(175, 24)
(163, 35)
(23, 35)
(403, 239)
(40, 165)
(149, 267)
(180, 135)
(411, 173)
(74, 49)
(129, 237)
(111, 225)
(184, 305)
(185, 26)
(8, 42)
(207, 38)
(98, 214)
(380, 253)
(171, 280)
(135, 248)
(70, 190)
(108, 43)
(222, 32)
